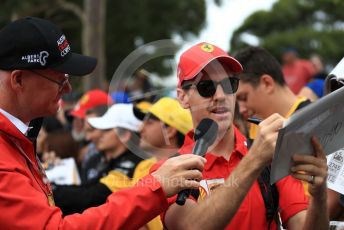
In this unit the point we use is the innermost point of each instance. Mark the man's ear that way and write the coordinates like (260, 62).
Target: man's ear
(183, 98)
(125, 136)
(268, 83)
(171, 132)
(16, 79)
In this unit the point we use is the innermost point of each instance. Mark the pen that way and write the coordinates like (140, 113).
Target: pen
(254, 120)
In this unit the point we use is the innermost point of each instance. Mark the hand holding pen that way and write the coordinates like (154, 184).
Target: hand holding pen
(254, 120)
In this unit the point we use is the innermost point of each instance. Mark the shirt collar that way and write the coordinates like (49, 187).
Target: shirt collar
(239, 151)
(23, 128)
(295, 106)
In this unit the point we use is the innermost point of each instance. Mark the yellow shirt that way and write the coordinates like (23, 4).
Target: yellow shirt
(142, 170)
(116, 180)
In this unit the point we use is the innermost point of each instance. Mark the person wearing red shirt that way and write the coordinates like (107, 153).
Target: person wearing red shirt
(34, 58)
(297, 72)
(229, 194)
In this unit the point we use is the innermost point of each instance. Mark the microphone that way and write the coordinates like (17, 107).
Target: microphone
(205, 135)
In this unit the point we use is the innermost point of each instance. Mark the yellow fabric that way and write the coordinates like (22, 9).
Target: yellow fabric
(142, 170)
(143, 106)
(170, 112)
(253, 130)
(116, 180)
(291, 111)
(294, 107)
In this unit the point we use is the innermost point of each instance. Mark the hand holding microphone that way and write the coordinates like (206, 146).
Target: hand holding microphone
(205, 135)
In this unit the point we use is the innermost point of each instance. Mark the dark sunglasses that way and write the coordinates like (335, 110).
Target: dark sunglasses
(207, 88)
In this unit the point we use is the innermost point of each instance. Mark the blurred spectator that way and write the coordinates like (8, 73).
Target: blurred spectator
(50, 124)
(62, 143)
(315, 88)
(54, 142)
(239, 120)
(67, 103)
(58, 145)
(141, 85)
(318, 64)
(119, 126)
(162, 134)
(120, 97)
(69, 99)
(297, 72)
(164, 127)
(89, 100)
(92, 160)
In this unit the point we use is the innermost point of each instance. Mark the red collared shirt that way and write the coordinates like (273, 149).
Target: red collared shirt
(251, 213)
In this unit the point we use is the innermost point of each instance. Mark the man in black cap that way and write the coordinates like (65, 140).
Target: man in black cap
(35, 58)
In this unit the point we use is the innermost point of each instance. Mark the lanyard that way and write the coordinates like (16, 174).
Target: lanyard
(37, 172)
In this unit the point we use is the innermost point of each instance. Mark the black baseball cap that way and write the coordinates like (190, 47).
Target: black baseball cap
(34, 43)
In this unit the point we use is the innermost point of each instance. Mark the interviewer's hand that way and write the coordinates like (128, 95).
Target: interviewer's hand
(264, 145)
(179, 173)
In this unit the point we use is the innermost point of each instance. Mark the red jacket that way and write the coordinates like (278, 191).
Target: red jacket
(24, 202)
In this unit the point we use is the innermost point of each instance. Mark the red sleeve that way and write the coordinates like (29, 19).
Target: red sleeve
(27, 208)
(292, 198)
(170, 200)
(156, 166)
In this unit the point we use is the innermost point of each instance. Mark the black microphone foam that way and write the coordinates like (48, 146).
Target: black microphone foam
(205, 135)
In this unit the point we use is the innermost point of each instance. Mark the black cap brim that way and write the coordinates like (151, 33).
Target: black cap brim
(77, 65)
(138, 113)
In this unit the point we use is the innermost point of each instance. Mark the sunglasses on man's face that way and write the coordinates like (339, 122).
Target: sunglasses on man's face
(207, 88)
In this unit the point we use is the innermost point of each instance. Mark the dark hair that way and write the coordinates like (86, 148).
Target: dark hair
(256, 61)
(180, 139)
(98, 110)
(62, 143)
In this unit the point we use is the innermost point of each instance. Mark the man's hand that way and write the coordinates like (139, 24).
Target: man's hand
(312, 169)
(179, 173)
(264, 145)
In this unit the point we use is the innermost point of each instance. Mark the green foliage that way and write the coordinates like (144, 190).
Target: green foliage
(126, 22)
(310, 26)
(148, 21)
(67, 21)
